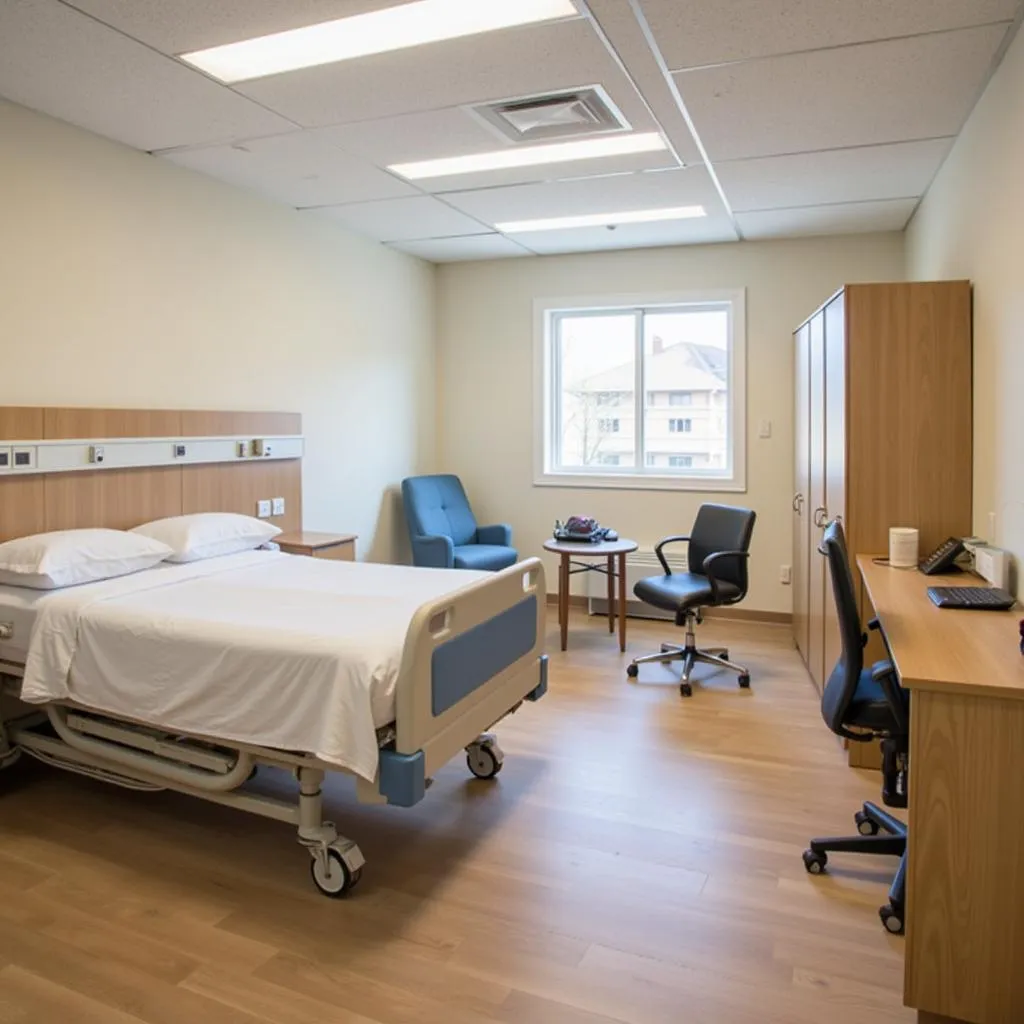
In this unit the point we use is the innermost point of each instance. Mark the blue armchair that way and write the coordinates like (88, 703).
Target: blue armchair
(443, 529)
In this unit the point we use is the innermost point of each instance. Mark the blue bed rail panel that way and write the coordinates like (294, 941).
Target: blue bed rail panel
(466, 662)
(542, 686)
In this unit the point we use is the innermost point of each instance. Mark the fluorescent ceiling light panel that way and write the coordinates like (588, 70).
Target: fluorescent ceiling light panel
(602, 220)
(394, 28)
(529, 156)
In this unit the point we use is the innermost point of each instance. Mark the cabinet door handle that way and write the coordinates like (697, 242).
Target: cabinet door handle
(820, 517)
(798, 502)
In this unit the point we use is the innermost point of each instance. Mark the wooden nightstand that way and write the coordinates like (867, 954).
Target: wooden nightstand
(341, 547)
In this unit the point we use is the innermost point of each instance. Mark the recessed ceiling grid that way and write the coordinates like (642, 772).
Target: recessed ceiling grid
(777, 117)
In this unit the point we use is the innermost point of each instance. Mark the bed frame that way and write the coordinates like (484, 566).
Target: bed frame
(470, 658)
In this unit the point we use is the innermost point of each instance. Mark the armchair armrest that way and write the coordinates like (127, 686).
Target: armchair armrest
(500, 534)
(433, 552)
(884, 673)
(678, 539)
(708, 568)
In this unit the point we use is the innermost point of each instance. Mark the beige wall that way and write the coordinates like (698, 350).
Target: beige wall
(971, 225)
(485, 407)
(127, 281)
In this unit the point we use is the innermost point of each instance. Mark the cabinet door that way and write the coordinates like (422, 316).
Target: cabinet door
(816, 503)
(801, 485)
(835, 454)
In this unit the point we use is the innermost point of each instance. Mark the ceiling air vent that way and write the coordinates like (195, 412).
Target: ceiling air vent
(559, 115)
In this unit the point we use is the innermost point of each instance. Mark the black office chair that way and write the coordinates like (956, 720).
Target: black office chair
(717, 560)
(863, 704)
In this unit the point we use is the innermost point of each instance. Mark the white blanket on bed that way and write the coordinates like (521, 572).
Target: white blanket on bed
(265, 648)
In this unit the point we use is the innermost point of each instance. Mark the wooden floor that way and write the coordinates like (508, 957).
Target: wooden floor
(638, 860)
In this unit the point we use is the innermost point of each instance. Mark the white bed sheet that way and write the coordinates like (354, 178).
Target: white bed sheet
(261, 647)
(18, 607)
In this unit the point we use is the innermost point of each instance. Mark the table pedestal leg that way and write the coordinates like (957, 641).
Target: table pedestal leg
(622, 601)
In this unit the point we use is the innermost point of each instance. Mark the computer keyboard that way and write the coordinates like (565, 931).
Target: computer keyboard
(981, 598)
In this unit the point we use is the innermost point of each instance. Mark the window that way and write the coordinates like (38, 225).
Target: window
(641, 358)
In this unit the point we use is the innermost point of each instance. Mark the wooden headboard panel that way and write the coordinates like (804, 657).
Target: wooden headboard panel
(122, 498)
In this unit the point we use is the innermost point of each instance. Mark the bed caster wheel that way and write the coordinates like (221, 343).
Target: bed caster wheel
(865, 826)
(744, 680)
(484, 759)
(685, 690)
(632, 671)
(892, 919)
(332, 876)
(815, 862)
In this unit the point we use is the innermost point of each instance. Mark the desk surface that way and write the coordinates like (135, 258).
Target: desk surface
(944, 649)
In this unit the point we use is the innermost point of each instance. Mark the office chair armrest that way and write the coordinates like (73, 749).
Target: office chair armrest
(663, 543)
(499, 533)
(433, 551)
(884, 673)
(710, 561)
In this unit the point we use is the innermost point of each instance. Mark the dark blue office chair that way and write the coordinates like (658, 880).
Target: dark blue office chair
(863, 704)
(444, 531)
(719, 547)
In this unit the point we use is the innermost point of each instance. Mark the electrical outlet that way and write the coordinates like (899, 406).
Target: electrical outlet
(242, 449)
(5, 459)
(180, 451)
(24, 458)
(278, 506)
(97, 453)
(263, 508)
(786, 574)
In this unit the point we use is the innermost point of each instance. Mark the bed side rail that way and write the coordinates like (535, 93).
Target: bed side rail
(469, 658)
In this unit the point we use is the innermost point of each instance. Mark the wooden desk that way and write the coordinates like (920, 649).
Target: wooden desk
(965, 872)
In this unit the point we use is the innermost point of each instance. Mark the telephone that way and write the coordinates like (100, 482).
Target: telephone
(942, 559)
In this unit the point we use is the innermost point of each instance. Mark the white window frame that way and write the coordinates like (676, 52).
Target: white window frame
(731, 479)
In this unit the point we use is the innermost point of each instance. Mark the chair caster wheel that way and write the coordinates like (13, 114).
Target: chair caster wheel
(744, 681)
(892, 919)
(685, 690)
(632, 671)
(865, 826)
(815, 862)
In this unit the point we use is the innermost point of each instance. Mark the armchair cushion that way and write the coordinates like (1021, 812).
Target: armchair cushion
(438, 506)
(489, 557)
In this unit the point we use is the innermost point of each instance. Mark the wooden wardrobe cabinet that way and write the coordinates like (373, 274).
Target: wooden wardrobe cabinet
(883, 435)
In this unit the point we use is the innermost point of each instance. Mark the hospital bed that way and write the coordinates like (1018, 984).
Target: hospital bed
(191, 677)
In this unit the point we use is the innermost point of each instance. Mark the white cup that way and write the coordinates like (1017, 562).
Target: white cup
(903, 545)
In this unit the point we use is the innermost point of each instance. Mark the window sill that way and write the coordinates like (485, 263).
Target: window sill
(624, 482)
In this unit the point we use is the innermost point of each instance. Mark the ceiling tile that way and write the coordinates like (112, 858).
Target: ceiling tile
(300, 169)
(396, 220)
(616, 194)
(859, 95)
(696, 34)
(179, 26)
(630, 236)
(846, 219)
(469, 247)
(63, 63)
(498, 65)
(894, 171)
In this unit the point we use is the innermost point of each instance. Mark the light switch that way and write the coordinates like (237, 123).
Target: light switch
(764, 428)
(278, 506)
(263, 508)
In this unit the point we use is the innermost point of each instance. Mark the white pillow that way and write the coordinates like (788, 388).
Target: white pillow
(47, 561)
(208, 534)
